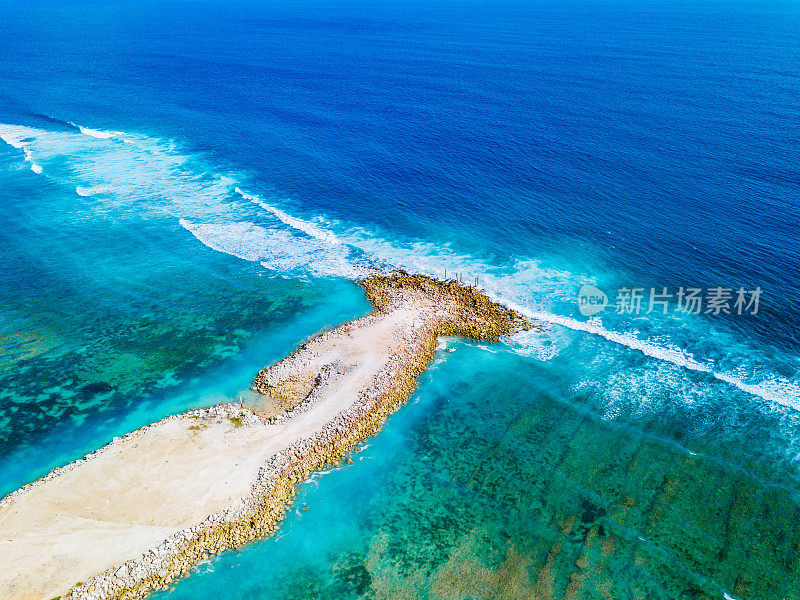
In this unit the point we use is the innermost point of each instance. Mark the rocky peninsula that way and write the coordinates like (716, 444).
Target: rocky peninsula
(136, 514)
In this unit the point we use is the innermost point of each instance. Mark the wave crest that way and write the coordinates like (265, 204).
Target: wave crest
(150, 174)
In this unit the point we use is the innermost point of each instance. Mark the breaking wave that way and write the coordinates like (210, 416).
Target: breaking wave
(151, 174)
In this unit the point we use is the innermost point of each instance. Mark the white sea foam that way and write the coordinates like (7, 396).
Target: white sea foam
(529, 278)
(150, 174)
(243, 240)
(277, 250)
(777, 390)
(299, 224)
(98, 133)
(91, 190)
(539, 345)
(15, 136)
(29, 158)
(12, 140)
(673, 355)
(18, 136)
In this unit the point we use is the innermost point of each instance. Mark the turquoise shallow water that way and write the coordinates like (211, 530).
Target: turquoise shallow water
(588, 461)
(182, 205)
(480, 491)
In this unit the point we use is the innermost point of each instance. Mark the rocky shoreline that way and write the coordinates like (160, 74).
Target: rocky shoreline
(444, 308)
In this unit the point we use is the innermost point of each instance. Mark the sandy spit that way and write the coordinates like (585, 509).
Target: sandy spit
(136, 514)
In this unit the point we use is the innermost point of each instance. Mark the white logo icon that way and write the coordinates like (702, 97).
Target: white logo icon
(591, 300)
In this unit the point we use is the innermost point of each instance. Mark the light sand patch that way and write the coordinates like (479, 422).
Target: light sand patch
(134, 515)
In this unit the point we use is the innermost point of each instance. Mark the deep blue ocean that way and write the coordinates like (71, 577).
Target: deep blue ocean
(189, 189)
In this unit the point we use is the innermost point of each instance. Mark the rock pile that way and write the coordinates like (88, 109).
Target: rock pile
(468, 311)
(450, 309)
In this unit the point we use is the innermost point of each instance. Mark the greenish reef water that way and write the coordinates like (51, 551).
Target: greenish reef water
(482, 490)
(187, 191)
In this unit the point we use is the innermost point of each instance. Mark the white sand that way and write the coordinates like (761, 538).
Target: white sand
(129, 502)
(171, 476)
